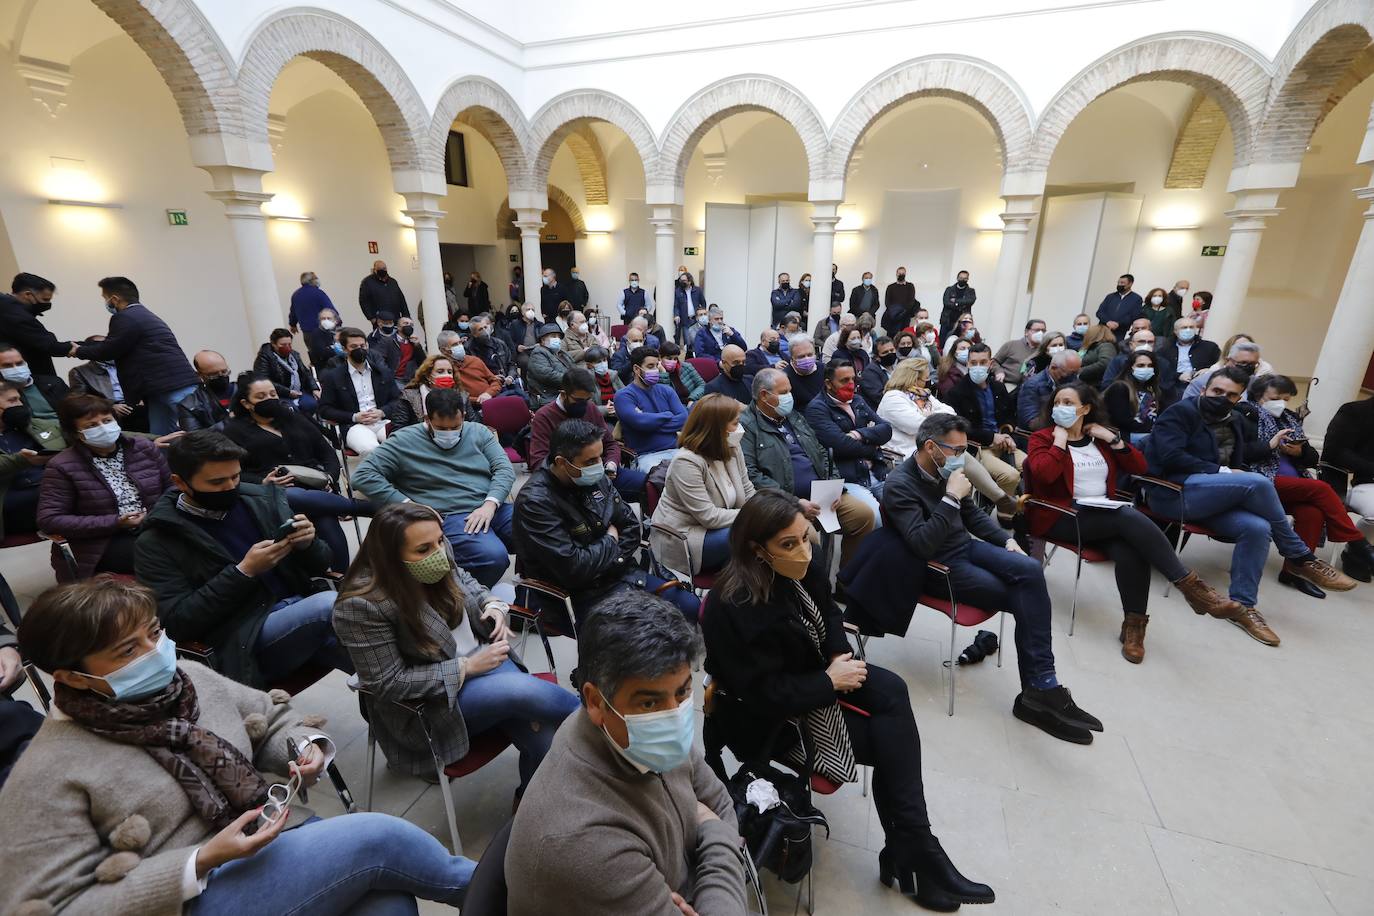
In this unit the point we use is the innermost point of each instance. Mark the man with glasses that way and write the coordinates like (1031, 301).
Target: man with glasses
(927, 499)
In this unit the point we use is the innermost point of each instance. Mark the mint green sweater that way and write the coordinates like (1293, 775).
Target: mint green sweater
(408, 465)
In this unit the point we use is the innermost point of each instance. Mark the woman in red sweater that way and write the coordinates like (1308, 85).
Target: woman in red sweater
(1075, 456)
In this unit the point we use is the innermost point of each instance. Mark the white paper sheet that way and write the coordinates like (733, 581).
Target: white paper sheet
(824, 493)
(1102, 502)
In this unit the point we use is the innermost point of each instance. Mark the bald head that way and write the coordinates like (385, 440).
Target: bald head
(379, 265)
(208, 363)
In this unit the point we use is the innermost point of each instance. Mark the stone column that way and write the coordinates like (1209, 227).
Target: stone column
(240, 190)
(824, 215)
(1350, 335)
(1253, 207)
(423, 210)
(530, 222)
(996, 318)
(666, 220)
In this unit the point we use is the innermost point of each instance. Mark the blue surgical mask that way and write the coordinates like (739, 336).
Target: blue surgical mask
(659, 741)
(337, 347)
(785, 403)
(1143, 373)
(1080, 329)
(446, 438)
(102, 436)
(109, 307)
(554, 343)
(1187, 334)
(602, 368)
(979, 374)
(1064, 415)
(868, 281)
(464, 325)
(961, 356)
(459, 354)
(145, 675)
(702, 320)
(20, 375)
(590, 475)
(952, 463)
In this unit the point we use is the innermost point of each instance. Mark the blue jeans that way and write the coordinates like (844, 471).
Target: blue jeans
(648, 460)
(353, 863)
(485, 556)
(526, 708)
(1242, 508)
(297, 632)
(324, 508)
(162, 410)
(715, 550)
(995, 579)
(629, 483)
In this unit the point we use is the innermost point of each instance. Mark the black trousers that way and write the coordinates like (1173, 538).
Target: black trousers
(887, 740)
(21, 510)
(119, 555)
(1135, 545)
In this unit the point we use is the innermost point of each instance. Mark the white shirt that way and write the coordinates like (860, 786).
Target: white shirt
(905, 417)
(1089, 470)
(362, 386)
(1185, 359)
(722, 478)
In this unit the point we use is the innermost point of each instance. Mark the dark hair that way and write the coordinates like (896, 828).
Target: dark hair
(1130, 277)
(348, 333)
(187, 455)
(24, 282)
(704, 431)
(835, 365)
(1280, 383)
(745, 580)
(377, 573)
(1206, 298)
(939, 425)
(6, 385)
(668, 349)
(577, 379)
(122, 287)
(1230, 372)
(595, 355)
(569, 438)
(1035, 321)
(277, 334)
(842, 341)
(633, 635)
(68, 622)
(979, 348)
(245, 381)
(77, 407)
(1130, 381)
(879, 341)
(444, 402)
(958, 272)
(639, 354)
(6, 346)
(910, 334)
(1087, 395)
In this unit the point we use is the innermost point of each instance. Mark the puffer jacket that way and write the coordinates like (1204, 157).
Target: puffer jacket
(75, 501)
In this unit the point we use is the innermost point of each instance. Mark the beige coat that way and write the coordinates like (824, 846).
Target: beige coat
(692, 504)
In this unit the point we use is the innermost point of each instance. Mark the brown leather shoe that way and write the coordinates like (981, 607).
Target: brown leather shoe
(1253, 623)
(1204, 599)
(1133, 637)
(1321, 574)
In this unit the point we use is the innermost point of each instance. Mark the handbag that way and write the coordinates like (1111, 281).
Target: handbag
(307, 478)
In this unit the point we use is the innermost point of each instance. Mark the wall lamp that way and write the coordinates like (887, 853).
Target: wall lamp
(291, 219)
(1174, 228)
(591, 232)
(59, 202)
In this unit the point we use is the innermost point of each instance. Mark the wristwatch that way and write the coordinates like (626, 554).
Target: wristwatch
(1116, 440)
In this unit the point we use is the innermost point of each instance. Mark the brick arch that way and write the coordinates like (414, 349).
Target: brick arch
(1196, 142)
(591, 164)
(505, 215)
(1236, 79)
(357, 58)
(729, 96)
(972, 82)
(564, 114)
(493, 113)
(1310, 75)
(187, 52)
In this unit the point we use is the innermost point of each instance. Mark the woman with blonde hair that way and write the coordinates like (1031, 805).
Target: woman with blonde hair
(707, 485)
(437, 371)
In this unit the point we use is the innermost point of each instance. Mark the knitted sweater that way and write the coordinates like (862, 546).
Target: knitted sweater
(408, 465)
(94, 826)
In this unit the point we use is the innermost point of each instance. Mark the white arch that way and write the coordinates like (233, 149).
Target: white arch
(562, 114)
(492, 111)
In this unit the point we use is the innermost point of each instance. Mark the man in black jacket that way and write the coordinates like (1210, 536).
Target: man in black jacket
(358, 394)
(551, 295)
(477, 294)
(899, 304)
(1349, 445)
(207, 407)
(957, 299)
(379, 292)
(927, 499)
(874, 380)
(1188, 353)
(225, 575)
(731, 380)
(847, 426)
(575, 291)
(863, 299)
(20, 326)
(572, 528)
(988, 406)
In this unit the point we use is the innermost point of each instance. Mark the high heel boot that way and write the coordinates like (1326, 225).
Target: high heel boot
(938, 884)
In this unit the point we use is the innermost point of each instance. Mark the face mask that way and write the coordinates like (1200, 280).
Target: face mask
(806, 284)
(868, 281)
(441, 381)
(979, 374)
(446, 438)
(1064, 415)
(602, 368)
(1143, 347)
(805, 365)
(575, 275)
(575, 409)
(952, 463)
(459, 352)
(928, 337)
(327, 324)
(145, 675)
(387, 329)
(1186, 334)
(1057, 348)
(554, 343)
(901, 277)
(16, 417)
(109, 307)
(968, 335)
(1247, 368)
(1080, 329)
(659, 741)
(1143, 373)
(793, 564)
(583, 328)
(19, 375)
(684, 282)
(717, 327)
(215, 500)
(270, 408)
(854, 344)
(1197, 305)
(670, 365)
(590, 475)
(785, 284)
(381, 274)
(1214, 408)
(1275, 407)
(548, 281)
(407, 330)
(703, 320)
(772, 346)
(634, 284)
(735, 436)
(102, 436)
(529, 314)
(785, 402)
(1156, 300)
(845, 393)
(1121, 287)
(1037, 336)
(961, 356)
(431, 569)
(904, 352)
(888, 361)
(357, 356)
(464, 325)
(337, 348)
(651, 377)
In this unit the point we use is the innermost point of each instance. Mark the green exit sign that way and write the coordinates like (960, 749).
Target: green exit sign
(689, 252)
(177, 218)
(1213, 251)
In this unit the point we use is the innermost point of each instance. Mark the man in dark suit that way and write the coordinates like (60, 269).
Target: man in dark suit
(358, 394)
(1120, 308)
(20, 326)
(551, 294)
(874, 380)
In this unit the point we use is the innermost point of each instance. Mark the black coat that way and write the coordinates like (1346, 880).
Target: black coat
(954, 303)
(300, 442)
(21, 327)
(916, 509)
(338, 400)
(1348, 443)
(873, 382)
(145, 352)
(1182, 444)
(577, 294)
(549, 298)
(1252, 448)
(267, 364)
(478, 298)
(764, 662)
(202, 410)
(864, 299)
(376, 295)
(319, 343)
(1202, 354)
(722, 384)
(963, 400)
(91, 378)
(854, 458)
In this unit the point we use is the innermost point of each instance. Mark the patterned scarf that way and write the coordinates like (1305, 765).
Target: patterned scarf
(1269, 428)
(220, 782)
(825, 725)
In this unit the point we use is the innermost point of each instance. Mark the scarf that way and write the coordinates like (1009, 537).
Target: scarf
(220, 782)
(825, 724)
(1269, 427)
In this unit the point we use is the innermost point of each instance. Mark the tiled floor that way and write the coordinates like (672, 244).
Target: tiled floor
(1232, 778)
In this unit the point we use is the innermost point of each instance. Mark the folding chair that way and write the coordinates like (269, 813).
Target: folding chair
(1084, 554)
(960, 615)
(546, 609)
(507, 415)
(706, 367)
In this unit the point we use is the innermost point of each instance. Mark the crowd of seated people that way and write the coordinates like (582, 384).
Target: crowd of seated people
(212, 506)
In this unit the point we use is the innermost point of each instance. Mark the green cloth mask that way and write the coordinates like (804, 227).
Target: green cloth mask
(431, 569)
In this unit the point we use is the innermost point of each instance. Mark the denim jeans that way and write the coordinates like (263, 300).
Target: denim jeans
(995, 579)
(324, 508)
(298, 631)
(526, 708)
(715, 550)
(1242, 508)
(353, 863)
(485, 556)
(649, 460)
(162, 410)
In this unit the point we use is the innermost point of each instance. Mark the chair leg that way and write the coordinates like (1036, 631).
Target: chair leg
(1182, 543)
(371, 766)
(548, 649)
(953, 635)
(447, 791)
(1001, 628)
(1078, 574)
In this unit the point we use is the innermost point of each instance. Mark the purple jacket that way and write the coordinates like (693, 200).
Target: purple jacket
(75, 501)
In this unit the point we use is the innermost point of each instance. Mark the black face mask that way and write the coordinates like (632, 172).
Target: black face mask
(218, 385)
(407, 330)
(785, 285)
(1214, 408)
(1247, 368)
(16, 417)
(357, 357)
(271, 408)
(1121, 287)
(901, 278)
(39, 308)
(961, 283)
(735, 372)
(904, 352)
(381, 275)
(888, 361)
(575, 409)
(216, 500)
(772, 346)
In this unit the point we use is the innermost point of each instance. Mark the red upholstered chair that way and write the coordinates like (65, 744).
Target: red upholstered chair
(960, 615)
(618, 331)
(507, 415)
(1084, 554)
(706, 367)
(1186, 528)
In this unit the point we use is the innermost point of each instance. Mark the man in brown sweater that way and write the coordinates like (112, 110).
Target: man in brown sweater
(624, 815)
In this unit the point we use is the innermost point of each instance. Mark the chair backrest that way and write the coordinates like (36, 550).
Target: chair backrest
(618, 331)
(487, 894)
(706, 367)
(507, 415)
(652, 493)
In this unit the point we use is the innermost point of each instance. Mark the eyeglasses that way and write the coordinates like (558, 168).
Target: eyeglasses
(952, 449)
(279, 797)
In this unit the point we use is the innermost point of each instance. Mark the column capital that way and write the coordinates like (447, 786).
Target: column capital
(1367, 194)
(529, 228)
(241, 204)
(425, 219)
(1250, 219)
(663, 225)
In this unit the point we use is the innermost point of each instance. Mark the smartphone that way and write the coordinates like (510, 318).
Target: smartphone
(286, 529)
(49, 451)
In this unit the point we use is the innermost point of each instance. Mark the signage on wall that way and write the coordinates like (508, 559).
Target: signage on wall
(1213, 251)
(514, 258)
(551, 237)
(178, 218)
(373, 248)
(689, 252)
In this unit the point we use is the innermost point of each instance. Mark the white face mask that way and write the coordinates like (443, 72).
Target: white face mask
(1156, 300)
(1276, 406)
(1057, 348)
(735, 436)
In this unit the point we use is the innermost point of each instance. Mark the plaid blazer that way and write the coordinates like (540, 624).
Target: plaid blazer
(391, 669)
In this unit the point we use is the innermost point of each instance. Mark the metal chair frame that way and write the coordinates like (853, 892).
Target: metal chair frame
(1076, 546)
(942, 570)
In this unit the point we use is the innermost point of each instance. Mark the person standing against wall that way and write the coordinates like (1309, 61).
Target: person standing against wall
(899, 304)
(306, 304)
(958, 299)
(379, 292)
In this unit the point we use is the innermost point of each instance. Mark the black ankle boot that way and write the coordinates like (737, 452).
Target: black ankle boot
(894, 862)
(935, 866)
(1357, 561)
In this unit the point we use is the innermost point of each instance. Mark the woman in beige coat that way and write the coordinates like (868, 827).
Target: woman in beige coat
(707, 485)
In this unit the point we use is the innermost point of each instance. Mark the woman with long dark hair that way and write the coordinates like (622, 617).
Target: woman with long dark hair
(418, 627)
(1135, 399)
(776, 646)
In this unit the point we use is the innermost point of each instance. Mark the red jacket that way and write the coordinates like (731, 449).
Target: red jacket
(549, 416)
(1049, 474)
